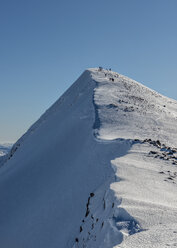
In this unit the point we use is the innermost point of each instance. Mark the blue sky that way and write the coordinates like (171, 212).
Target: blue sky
(45, 45)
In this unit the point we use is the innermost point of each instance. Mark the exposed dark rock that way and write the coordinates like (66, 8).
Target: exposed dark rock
(92, 194)
(158, 143)
(161, 172)
(170, 178)
(152, 152)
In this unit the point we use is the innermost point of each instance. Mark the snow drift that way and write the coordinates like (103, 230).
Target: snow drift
(98, 169)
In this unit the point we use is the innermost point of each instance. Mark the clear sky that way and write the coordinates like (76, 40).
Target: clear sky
(46, 44)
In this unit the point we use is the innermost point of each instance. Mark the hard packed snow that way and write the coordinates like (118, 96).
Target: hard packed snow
(97, 170)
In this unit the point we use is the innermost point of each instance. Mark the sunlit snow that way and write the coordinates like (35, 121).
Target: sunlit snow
(97, 170)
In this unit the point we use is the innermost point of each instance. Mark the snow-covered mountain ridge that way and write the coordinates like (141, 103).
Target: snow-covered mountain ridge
(98, 169)
(128, 109)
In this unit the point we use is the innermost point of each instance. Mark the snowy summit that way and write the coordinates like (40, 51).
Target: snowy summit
(97, 170)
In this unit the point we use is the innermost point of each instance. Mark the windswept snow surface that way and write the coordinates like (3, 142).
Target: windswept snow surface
(91, 173)
(129, 110)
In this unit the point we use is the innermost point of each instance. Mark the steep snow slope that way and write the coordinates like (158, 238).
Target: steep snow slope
(78, 177)
(51, 171)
